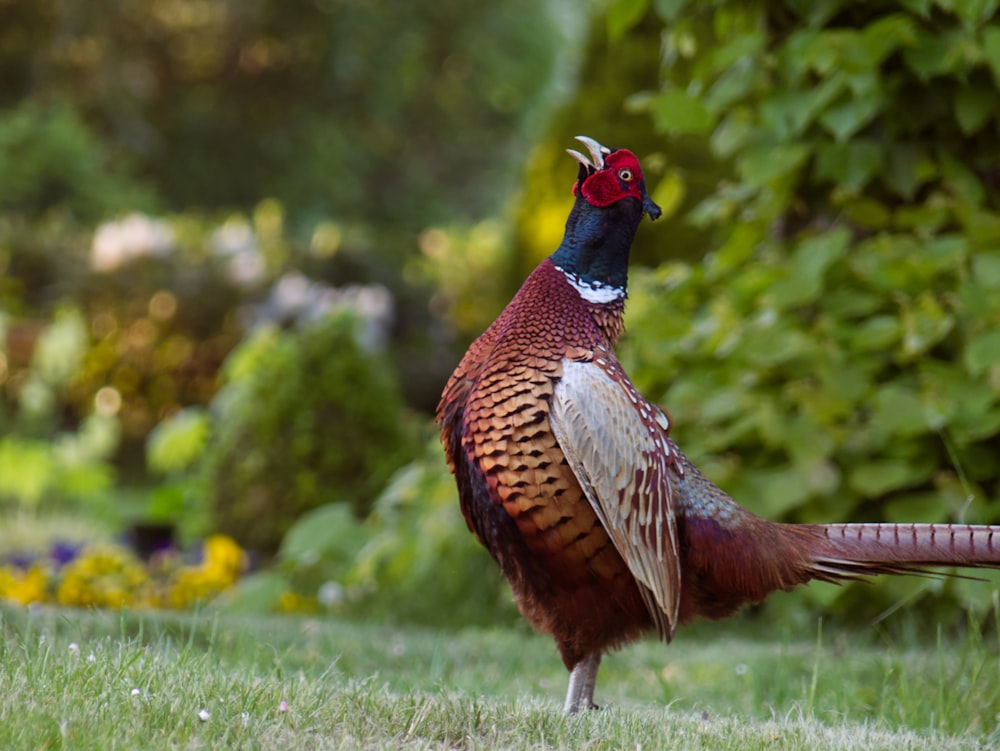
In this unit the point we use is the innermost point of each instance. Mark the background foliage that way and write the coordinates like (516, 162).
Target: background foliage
(183, 92)
(816, 308)
(836, 357)
(301, 419)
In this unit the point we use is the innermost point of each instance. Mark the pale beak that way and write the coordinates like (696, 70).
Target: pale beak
(597, 153)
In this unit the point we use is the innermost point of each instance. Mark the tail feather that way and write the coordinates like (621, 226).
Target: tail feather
(853, 551)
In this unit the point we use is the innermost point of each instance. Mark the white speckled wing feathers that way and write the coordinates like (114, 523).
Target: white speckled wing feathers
(616, 443)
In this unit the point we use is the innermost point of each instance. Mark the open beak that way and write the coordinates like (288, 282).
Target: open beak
(597, 153)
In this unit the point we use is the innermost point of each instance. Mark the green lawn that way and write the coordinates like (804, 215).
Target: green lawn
(79, 680)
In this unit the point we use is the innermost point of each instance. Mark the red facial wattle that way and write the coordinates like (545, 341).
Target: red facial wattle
(620, 178)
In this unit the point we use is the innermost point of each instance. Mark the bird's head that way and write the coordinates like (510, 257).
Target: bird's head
(610, 176)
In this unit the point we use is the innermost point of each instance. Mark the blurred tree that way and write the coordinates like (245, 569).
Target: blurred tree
(366, 121)
(49, 158)
(381, 112)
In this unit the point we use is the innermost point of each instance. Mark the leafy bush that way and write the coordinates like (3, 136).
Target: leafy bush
(836, 357)
(173, 451)
(812, 395)
(412, 560)
(304, 418)
(421, 563)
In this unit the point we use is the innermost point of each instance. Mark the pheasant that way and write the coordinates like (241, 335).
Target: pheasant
(569, 477)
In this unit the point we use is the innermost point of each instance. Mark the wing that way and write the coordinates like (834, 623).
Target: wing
(616, 443)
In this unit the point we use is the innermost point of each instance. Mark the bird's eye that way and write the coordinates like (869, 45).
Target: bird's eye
(625, 174)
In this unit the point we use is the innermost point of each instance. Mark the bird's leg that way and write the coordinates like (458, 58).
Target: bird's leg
(582, 680)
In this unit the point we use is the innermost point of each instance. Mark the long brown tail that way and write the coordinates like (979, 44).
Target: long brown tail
(853, 551)
(733, 557)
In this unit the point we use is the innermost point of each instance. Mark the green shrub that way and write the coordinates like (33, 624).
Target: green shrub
(837, 356)
(173, 451)
(412, 560)
(421, 563)
(304, 418)
(812, 395)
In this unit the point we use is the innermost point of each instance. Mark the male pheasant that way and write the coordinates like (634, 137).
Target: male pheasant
(568, 476)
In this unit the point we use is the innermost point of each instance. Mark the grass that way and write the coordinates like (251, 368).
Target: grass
(99, 680)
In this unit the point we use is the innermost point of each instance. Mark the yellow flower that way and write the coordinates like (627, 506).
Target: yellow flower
(224, 558)
(24, 587)
(292, 602)
(223, 562)
(111, 576)
(189, 586)
(103, 577)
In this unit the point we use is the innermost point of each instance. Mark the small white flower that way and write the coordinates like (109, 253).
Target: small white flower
(133, 236)
(204, 714)
(74, 647)
(91, 657)
(136, 692)
(247, 268)
(233, 237)
(330, 594)
(290, 294)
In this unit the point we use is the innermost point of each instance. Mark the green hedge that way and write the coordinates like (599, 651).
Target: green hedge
(837, 355)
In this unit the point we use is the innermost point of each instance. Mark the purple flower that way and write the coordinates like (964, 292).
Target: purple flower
(21, 560)
(63, 552)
